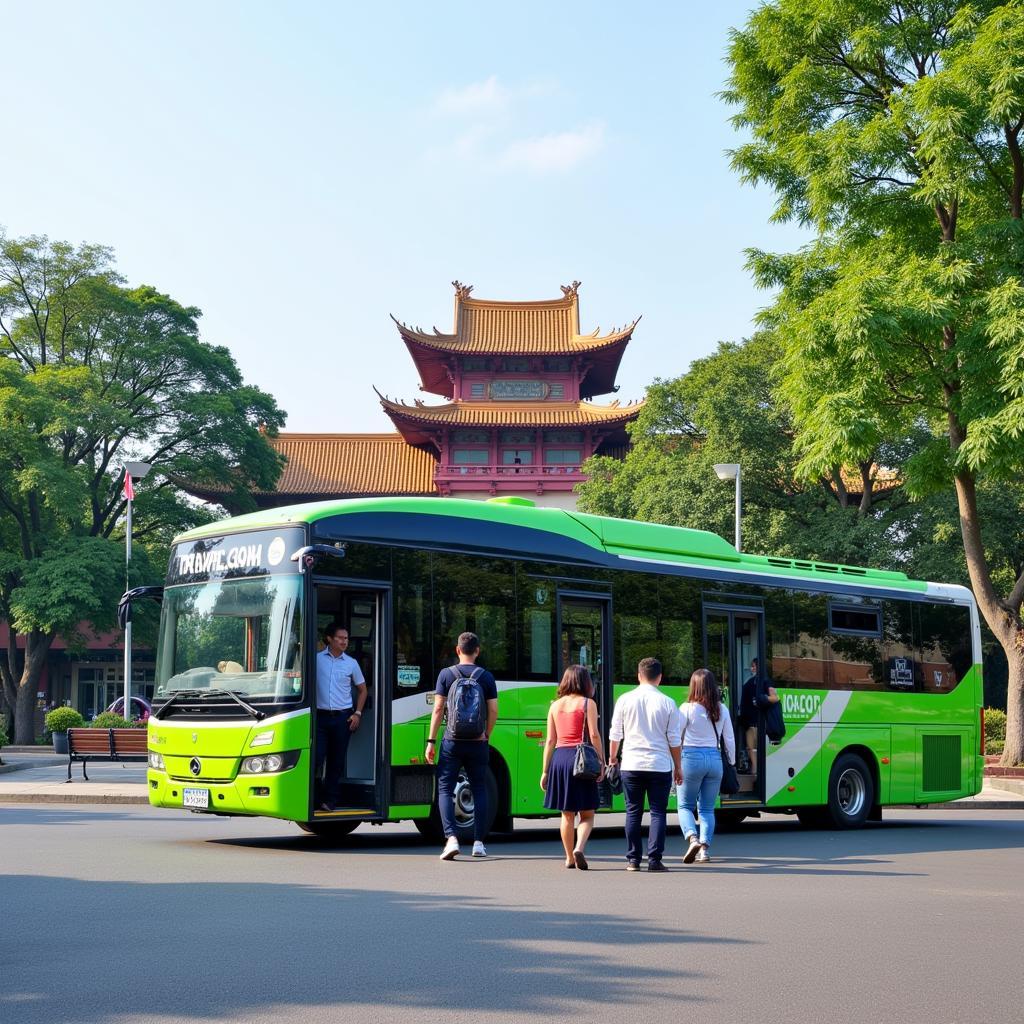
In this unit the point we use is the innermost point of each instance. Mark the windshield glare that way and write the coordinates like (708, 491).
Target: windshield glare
(240, 635)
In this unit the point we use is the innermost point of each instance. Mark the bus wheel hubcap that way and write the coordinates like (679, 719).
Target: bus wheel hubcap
(851, 791)
(465, 809)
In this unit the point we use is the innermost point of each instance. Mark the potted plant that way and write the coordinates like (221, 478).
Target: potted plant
(109, 720)
(58, 721)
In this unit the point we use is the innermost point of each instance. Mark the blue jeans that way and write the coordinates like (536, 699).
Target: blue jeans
(655, 786)
(702, 777)
(474, 757)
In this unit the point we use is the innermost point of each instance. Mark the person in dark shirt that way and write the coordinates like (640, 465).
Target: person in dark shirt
(750, 714)
(471, 754)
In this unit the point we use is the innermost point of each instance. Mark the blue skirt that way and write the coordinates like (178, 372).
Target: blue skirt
(565, 793)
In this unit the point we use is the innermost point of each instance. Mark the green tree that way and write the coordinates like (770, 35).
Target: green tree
(94, 373)
(894, 130)
(725, 409)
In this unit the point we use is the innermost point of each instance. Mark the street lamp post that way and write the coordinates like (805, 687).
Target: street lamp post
(132, 471)
(731, 471)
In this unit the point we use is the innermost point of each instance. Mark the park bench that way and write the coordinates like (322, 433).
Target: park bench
(105, 745)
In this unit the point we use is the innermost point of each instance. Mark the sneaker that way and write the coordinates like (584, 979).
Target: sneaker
(692, 850)
(631, 865)
(479, 850)
(451, 849)
(703, 857)
(656, 865)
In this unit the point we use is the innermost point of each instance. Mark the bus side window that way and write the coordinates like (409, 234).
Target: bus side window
(414, 663)
(946, 653)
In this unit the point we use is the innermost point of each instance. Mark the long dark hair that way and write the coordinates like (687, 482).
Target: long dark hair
(704, 691)
(576, 680)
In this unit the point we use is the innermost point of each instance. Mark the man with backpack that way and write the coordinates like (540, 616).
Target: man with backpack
(469, 694)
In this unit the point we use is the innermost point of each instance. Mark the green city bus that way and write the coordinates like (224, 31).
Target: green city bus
(879, 675)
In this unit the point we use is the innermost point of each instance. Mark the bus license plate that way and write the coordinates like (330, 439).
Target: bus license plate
(198, 799)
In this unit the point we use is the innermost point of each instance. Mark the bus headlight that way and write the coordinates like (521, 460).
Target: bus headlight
(156, 760)
(264, 764)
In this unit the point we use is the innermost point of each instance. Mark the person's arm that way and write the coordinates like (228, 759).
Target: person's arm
(436, 717)
(594, 727)
(773, 697)
(549, 748)
(357, 716)
(615, 735)
(492, 715)
(677, 765)
(729, 735)
(675, 744)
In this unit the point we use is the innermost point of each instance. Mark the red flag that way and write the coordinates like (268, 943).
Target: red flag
(129, 491)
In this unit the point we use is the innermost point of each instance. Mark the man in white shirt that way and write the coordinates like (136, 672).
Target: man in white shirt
(645, 723)
(340, 696)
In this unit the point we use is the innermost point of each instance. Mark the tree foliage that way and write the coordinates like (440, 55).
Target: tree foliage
(94, 373)
(726, 409)
(894, 130)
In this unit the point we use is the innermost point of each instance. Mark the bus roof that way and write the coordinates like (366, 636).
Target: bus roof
(648, 542)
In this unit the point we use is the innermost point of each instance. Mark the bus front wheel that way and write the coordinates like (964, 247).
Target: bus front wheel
(465, 811)
(329, 829)
(851, 792)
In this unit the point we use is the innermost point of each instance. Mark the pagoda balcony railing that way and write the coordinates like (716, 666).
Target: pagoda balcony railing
(527, 472)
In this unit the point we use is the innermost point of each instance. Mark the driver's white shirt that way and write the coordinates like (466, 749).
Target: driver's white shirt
(335, 678)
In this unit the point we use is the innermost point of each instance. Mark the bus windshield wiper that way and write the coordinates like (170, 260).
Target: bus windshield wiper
(194, 694)
(233, 694)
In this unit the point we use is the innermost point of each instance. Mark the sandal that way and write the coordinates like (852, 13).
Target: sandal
(581, 861)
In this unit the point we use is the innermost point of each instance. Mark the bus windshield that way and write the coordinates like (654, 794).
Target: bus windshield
(237, 635)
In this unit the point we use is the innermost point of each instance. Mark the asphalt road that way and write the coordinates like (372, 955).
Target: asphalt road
(118, 914)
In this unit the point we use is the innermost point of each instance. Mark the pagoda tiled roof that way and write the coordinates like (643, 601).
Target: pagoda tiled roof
(515, 328)
(353, 464)
(506, 414)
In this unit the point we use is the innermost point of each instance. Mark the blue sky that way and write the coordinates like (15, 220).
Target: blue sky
(299, 171)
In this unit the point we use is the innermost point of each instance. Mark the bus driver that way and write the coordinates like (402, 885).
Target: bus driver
(339, 686)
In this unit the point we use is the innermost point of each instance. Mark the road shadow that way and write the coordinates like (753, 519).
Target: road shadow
(226, 950)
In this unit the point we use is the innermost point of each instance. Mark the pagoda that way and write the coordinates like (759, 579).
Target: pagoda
(519, 378)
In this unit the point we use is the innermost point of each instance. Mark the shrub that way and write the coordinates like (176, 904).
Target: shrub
(3, 731)
(994, 746)
(995, 724)
(109, 720)
(62, 719)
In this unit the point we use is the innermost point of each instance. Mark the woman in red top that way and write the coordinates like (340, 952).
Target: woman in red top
(562, 792)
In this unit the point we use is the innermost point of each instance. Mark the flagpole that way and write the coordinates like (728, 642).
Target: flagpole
(129, 493)
(137, 470)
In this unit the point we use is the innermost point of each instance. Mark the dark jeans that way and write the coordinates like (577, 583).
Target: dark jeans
(473, 756)
(332, 736)
(655, 786)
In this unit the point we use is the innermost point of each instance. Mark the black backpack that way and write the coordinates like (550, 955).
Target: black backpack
(774, 726)
(467, 706)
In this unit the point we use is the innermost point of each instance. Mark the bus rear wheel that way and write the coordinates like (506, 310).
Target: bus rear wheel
(851, 792)
(465, 812)
(331, 830)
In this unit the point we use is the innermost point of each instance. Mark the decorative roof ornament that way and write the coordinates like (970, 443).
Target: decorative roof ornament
(462, 291)
(571, 290)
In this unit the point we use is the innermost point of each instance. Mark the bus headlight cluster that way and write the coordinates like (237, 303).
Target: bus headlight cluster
(156, 760)
(264, 764)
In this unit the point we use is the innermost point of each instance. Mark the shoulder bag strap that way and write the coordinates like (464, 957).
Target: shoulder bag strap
(585, 734)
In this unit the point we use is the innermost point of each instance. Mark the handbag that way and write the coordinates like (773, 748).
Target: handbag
(586, 765)
(613, 777)
(730, 780)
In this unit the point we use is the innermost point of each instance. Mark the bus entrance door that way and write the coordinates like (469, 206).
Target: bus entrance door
(733, 639)
(362, 779)
(583, 624)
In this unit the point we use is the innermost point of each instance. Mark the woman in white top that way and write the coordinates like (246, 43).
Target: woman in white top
(703, 719)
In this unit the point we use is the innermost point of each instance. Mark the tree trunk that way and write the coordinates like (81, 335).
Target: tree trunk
(1013, 752)
(37, 646)
(1005, 623)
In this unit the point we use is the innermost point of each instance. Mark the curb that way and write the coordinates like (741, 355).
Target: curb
(71, 798)
(43, 762)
